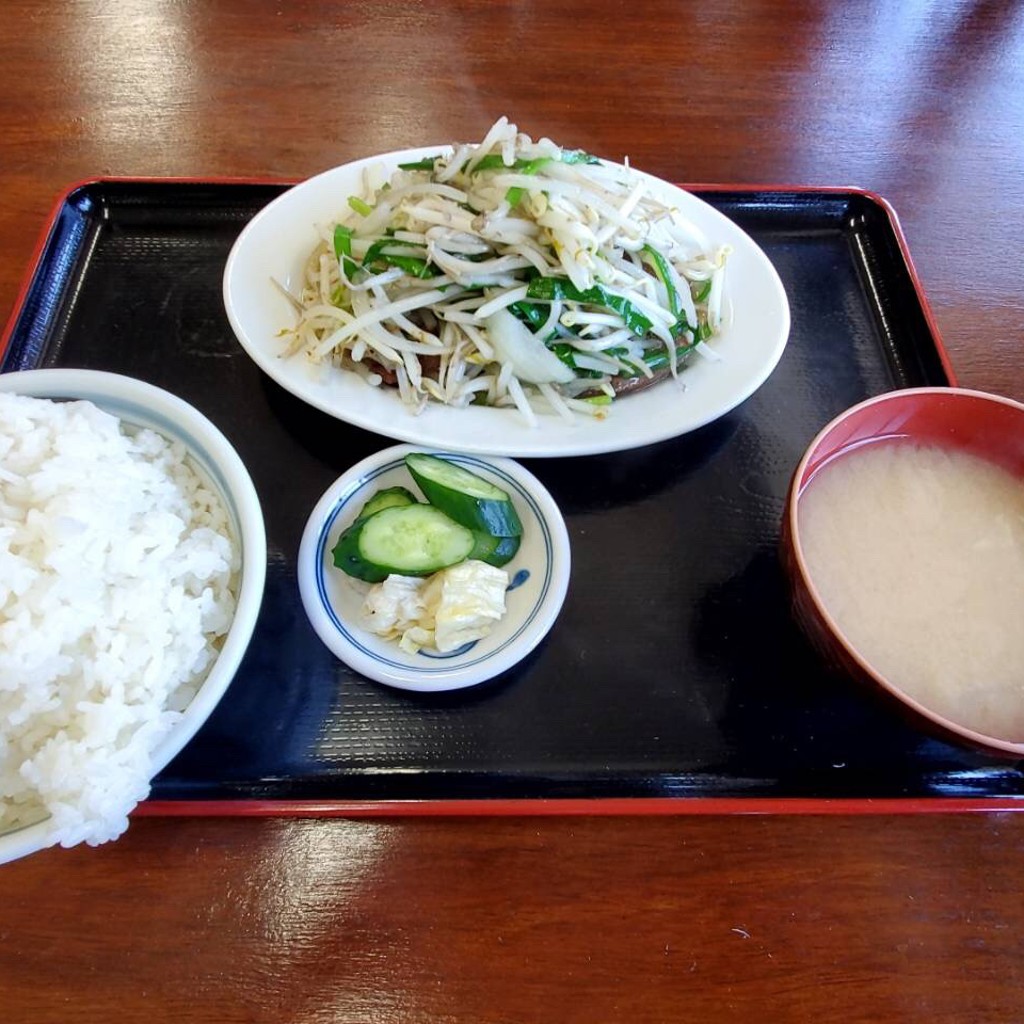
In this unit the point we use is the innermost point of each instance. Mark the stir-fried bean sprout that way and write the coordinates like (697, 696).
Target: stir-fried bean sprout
(509, 273)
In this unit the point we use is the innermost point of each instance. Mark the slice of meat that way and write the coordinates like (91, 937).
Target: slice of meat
(387, 375)
(429, 365)
(631, 385)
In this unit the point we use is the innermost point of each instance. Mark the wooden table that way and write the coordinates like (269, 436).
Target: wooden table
(826, 918)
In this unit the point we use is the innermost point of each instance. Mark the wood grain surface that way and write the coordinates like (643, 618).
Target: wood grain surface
(881, 918)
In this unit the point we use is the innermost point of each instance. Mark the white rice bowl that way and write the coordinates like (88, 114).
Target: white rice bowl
(123, 596)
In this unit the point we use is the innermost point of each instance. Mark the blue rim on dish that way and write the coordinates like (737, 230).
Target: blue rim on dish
(543, 561)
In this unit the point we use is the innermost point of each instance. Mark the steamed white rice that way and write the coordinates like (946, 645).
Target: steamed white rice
(118, 577)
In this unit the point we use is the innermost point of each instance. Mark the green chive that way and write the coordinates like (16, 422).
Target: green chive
(426, 164)
(661, 271)
(530, 312)
(343, 249)
(416, 266)
(551, 288)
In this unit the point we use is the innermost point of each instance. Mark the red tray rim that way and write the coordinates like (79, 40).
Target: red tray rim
(581, 807)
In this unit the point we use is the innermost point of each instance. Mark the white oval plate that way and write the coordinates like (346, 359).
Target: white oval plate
(277, 241)
(539, 576)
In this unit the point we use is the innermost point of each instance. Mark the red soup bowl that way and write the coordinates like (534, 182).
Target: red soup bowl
(983, 425)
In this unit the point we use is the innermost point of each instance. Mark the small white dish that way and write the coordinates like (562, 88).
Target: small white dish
(138, 403)
(276, 243)
(539, 578)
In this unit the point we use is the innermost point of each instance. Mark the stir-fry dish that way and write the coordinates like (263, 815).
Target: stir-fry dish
(510, 273)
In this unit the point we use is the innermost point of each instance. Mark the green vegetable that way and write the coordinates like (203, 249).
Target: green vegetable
(491, 162)
(551, 288)
(661, 271)
(657, 358)
(515, 195)
(701, 294)
(530, 312)
(468, 517)
(426, 164)
(411, 265)
(494, 550)
(343, 249)
(701, 331)
(467, 498)
(390, 497)
(377, 258)
(409, 540)
(567, 354)
(361, 207)
(494, 162)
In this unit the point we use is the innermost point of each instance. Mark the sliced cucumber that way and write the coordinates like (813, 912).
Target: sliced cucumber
(469, 499)
(390, 497)
(410, 540)
(495, 551)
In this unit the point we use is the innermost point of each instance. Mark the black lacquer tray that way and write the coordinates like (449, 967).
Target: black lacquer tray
(674, 672)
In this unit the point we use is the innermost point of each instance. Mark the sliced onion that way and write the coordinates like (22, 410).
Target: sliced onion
(531, 360)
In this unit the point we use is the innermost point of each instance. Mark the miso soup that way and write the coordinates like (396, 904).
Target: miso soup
(918, 555)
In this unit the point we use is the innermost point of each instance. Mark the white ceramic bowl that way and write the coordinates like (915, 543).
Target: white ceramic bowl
(276, 244)
(141, 404)
(539, 576)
